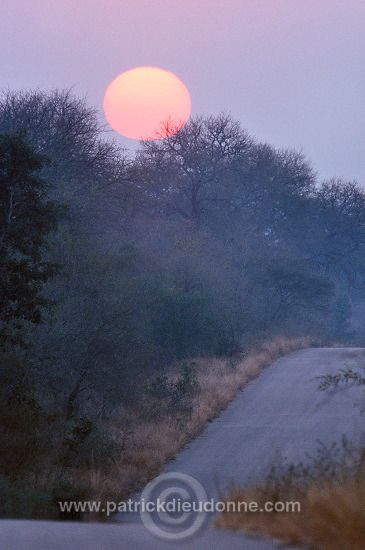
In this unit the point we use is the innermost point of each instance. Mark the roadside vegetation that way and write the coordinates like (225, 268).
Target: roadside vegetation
(49, 457)
(139, 292)
(330, 487)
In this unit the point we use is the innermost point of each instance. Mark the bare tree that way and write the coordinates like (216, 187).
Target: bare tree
(186, 171)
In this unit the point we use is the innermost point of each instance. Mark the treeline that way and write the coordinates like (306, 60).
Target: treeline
(191, 246)
(115, 264)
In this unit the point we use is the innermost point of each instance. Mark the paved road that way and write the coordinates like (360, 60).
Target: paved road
(280, 412)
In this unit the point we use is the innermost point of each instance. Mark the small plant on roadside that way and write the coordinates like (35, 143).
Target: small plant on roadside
(78, 431)
(159, 387)
(344, 376)
(187, 383)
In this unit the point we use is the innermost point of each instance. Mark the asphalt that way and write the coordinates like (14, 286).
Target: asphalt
(280, 413)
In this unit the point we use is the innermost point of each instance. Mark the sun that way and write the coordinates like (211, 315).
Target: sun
(147, 103)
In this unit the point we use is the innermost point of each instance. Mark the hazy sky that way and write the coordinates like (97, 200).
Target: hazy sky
(292, 71)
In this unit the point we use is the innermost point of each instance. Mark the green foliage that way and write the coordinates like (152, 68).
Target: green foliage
(184, 322)
(228, 344)
(88, 445)
(19, 501)
(160, 387)
(98, 450)
(78, 430)
(26, 219)
(187, 383)
(344, 377)
(65, 491)
(23, 423)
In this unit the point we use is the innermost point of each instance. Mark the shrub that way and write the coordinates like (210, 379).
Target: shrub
(187, 383)
(65, 491)
(23, 422)
(159, 387)
(99, 450)
(18, 501)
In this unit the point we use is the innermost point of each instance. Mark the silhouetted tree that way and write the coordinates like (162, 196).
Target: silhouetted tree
(64, 128)
(186, 172)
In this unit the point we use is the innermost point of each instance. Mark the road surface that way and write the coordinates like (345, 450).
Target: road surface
(279, 413)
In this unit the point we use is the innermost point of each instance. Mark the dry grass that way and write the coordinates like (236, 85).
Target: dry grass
(331, 516)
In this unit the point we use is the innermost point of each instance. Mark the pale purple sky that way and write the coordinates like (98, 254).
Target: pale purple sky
(292, 71)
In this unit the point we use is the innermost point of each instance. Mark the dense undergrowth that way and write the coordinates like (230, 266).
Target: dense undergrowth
(47, 457)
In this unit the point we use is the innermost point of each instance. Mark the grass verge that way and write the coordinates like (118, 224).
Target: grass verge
(331, 493)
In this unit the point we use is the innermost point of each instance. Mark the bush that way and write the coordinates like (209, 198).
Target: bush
(23, 423)
(184, 322)
(159, 387)
(187, 383)
(65, 491)
(99, 449)
(328, 488)
(18, 501)
(169, 395)
(88, 445)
